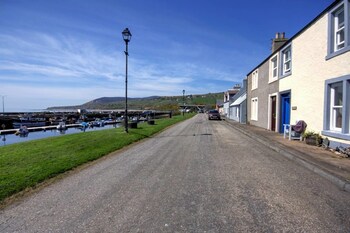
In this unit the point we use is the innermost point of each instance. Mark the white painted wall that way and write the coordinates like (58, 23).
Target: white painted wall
(310, 69)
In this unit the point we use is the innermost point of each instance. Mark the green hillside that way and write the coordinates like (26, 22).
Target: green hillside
(153, 102)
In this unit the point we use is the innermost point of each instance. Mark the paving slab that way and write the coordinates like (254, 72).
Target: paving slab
(322, 161)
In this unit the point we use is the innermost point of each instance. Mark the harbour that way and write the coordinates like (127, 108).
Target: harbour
(18, 127)
(14, 120)
(8, 137)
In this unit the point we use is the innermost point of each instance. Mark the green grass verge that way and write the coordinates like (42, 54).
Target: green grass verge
(26, 164)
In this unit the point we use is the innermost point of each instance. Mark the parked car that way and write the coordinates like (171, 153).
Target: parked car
(214, 115)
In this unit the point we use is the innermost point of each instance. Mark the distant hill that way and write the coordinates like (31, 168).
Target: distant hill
(108, 100)
(151, 102)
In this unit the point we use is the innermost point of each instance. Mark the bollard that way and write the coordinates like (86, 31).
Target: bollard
(132, 125)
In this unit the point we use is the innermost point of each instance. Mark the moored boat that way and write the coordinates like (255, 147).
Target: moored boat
(61, 126)
(22, 131)
(28, 122)
(84, 125)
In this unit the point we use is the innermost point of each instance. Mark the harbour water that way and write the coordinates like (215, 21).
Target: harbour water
(12, 138)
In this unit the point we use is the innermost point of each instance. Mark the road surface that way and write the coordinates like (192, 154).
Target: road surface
(199, 176)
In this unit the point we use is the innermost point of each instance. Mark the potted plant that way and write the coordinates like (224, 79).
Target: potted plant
(312, 138)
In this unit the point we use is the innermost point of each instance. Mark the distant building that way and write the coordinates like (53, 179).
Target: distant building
(238, 107)
(228, 95)
(220, 106)
(82, 111)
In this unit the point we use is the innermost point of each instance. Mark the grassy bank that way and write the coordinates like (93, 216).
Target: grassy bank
(26, 164)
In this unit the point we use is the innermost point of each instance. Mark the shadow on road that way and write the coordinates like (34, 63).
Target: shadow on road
(184, 135)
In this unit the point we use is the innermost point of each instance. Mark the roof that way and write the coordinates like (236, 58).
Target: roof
(232, 91)
(239, 100)
(298, 33)
(242, 92)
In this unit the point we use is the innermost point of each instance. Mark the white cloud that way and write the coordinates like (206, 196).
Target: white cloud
(41, 70)
(47, 70)
(41, 54)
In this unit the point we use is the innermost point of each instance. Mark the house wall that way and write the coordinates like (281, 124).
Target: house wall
(232, 114)
(262, 93)
(228, 97)
(249, 97)
(243, 112)
(227, 109)
(310, 69)
(239, 112)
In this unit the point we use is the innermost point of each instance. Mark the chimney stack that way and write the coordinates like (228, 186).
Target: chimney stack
(278, 41)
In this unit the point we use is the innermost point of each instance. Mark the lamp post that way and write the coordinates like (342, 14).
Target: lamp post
(3, 105)
(127, 37)
(3, 126)
(183, 100)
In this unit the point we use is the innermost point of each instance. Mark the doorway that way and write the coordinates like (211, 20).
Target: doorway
(273, 113)
(285, 110)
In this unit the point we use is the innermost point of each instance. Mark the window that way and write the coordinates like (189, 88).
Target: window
(255, 79)
(337, 108)
(273, 69)
(339, 30)
(286, 61)
(254, 109)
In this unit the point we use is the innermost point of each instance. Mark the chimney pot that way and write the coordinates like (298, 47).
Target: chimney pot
(278, 41)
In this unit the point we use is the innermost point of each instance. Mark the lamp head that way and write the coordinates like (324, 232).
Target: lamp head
(126, 35)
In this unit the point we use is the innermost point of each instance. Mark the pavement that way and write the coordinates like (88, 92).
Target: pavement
(325, 163)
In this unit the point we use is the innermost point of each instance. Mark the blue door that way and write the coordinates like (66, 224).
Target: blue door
(285, 110)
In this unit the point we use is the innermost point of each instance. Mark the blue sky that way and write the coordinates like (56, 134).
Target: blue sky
(68, 52)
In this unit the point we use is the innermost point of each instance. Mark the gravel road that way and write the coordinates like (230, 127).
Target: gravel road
(199, 176)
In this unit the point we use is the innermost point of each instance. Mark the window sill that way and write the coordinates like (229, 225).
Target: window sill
(272, 80)
(337, 53)
(335, 134)
(285, 75)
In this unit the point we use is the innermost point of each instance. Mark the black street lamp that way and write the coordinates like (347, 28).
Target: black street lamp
(183, 100)
(127, 37)
(3, 104)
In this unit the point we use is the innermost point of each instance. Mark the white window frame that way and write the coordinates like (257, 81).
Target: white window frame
(273, 69)
(339, 28)
(329, 122)
(286, 60)
(254, 109)
(255, 79)
(336, 30)
(335, 108)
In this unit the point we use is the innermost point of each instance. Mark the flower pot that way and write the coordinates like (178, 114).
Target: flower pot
(311, 141)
